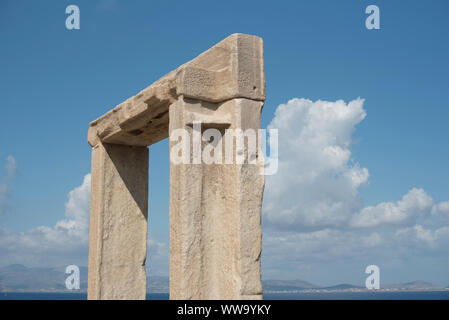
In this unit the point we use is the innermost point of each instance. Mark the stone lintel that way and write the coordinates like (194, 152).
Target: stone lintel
(233, 68)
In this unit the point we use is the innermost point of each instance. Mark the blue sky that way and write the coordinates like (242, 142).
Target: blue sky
(53, 82)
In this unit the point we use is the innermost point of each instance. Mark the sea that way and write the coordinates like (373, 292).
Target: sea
(403, 295)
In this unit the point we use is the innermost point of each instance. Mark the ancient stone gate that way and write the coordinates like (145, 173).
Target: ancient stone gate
(215, 209)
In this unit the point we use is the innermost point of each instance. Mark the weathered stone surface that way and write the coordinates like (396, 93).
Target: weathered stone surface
(118, 222)
(233, 68)
(215, 210)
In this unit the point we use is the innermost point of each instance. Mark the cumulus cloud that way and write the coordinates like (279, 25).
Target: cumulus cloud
(314, 255)
(317, 182)
(76, 223)
(420, 237)
(65, 242)
(313, 214)
(414, 204)
(441, 210)
(320, 246)
(317, 185)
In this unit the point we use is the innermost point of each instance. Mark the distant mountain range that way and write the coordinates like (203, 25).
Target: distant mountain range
(298, 285)
(17, 277)
(414, 285)
(287, 285)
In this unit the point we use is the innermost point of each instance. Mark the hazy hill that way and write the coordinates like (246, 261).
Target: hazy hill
(18, 277)
(414, 285)
(287, 285)
(343, 286)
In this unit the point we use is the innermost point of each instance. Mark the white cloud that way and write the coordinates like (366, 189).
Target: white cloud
(322, 245)
(312, 255)
(418, 237)
(77, 212)
(415, 234)
(441, 210)
(317, 182)
(414, 204)
(66, 242)
(312, 211)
